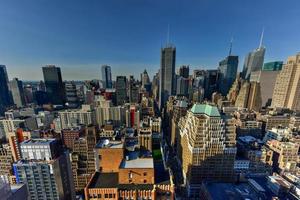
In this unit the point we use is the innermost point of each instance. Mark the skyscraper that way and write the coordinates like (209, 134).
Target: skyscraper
(254, 60)
(145, 78)
(4, 92)
(106, 76)
(287, 86)
(121, 90)
(184, 71)
(167, 74)
(16, 89)
(54, 84)
(227, 72)
(133, 90)
(208, 147)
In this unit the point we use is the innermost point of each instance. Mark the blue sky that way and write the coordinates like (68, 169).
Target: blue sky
(81, 35)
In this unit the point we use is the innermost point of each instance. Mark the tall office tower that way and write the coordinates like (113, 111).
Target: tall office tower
(267, 78)
(106, 76)
(72, 100)
(145, 78)
(54, 84)
(249, 96)
(133, 90)
(182, 86)
(184, 71)
(227, 73)
(46, 170)
(287, 87)
(208, 147)
(167, 74)
(156, 86)
(121, 90)
(28, 94)
(254, 60)
(16, 89)
(5, 99)
(83, 158)
(211, 83)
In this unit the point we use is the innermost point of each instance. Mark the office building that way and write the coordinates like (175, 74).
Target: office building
(167, 74)
(145, 78)
(254, 60)
(133, 92)
(54, 84)
(208, 147)
(75, 117)
(184, 71)
(106, 76)
(83, 158)
(249, 96)
(121, 90)
(72, 100)
(287, 86)
(227, 73)
(5, 99)
(46, 170)
(16, 89)
(273, 66)
(182, 86)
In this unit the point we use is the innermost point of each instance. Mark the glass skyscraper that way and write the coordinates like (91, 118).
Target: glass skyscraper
(227, 73)
(106, 76)
(167, 74)
(54, 84)
(5, 99)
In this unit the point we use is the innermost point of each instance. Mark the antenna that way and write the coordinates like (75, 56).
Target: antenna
(168, 35)
(230, 49)
(261, 37)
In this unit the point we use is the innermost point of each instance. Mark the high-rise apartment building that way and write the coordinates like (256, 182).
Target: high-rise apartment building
(106, 76)
(54, 84)
(254, 60)
(287, 86)
(167, 74)
(227, 73)
(5, 99)
(208, 147)
(16, 89)
(121, 90)
(46, 170)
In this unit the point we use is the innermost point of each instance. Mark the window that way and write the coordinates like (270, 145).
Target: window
(145, 173)
(145, 181)
(110, 195)
(106, 196)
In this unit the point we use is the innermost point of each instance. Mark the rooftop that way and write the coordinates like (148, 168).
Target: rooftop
(138, 163)
(110, 144)
(205, 109)
(37, 141)
(104, 180)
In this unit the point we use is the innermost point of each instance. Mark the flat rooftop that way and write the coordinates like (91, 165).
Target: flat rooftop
(110, 144)
(138, 163)
(37, 141)
(104, 180)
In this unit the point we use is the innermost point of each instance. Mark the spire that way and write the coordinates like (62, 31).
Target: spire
(230, 49)
(168, 35)
(261, 37)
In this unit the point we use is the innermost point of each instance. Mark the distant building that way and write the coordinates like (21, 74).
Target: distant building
(207, 147)
(121, 90)
(167, 74)
(273, 66)
(54, 84)
(182, 86)
(184, 71)
(254, 60)
(133, 90)
(5, 99)
(72, 100)
(249, 96)
(106, 76)
(16, 89)
(227, 73)
(286, 91)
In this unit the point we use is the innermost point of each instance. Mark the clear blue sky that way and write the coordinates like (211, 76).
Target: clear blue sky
(81, 35)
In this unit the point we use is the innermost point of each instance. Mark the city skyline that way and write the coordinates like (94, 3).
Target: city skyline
(75, 36)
